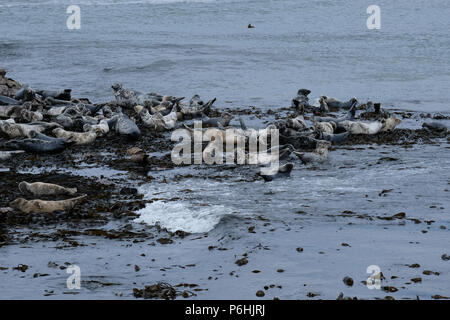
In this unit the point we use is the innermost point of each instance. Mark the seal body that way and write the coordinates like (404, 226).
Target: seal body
(45, 189)
(79, 138)
(42, 206)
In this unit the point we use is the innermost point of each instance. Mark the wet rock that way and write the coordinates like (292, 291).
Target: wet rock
(348, 281)
(241, 262)
(21, 267)
(312, 294)
(159, 291)
(165, 240)
(438, 296)
(260, 293)
(445, 257)
(299, 249)
(389, 289)
(414, 265)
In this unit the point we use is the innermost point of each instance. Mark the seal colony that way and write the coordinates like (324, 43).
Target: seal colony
(69, 193)
(47, 122)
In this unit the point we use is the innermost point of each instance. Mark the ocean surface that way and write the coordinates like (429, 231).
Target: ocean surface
(187, 47)
(338, 213)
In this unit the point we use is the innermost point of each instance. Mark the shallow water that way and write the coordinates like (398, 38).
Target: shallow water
(185, 47)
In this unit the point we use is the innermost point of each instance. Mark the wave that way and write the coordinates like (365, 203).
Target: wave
(179, 215)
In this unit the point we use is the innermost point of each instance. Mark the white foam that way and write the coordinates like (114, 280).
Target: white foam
(178, 215)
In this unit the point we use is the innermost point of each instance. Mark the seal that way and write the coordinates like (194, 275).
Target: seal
(334, 138)
(102, 127)
(37, 146)
(298, 123)
(171, 119)
(319, 155)
(79, 138)
(58, 95)
(7, 111)
(196, 108)
(21, 130)
(301, 101)
(42, 206)
(124, 126)
(152, 121)
(278, 172)
(31, 116)
(355, 127)
(389, 124)
(349, 116)
(4, 100)
(55, 111)
(435, 127)
(24, 94)
(337, 104)
(221, 122)
(45, 189)
(327, 127)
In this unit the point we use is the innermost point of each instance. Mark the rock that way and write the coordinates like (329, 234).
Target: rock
(445, 257)
(159, 290)
(21, 267)
(260, 293)
(348, 281)
(241, 262)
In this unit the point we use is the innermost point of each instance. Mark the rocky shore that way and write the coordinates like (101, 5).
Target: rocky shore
(52, 137)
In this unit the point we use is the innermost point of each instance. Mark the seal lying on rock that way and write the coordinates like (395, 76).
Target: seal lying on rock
(153, 121)
(349, 116)
(298, 123)
(79, 138)
(21, 130)
(435, 127)
(374, 127)
(389, 124)
(196, 108)
(301, 100)
(319, 155)
(45, 189)
(327, 127)
(221, 122)
(59, 95)
(123, 125)
(38, 146)
(24, 94)
(334, 138)
(355, 127)
(337, 104)
(102, 127)
(42, 206)
(278, 172)
(9, 101)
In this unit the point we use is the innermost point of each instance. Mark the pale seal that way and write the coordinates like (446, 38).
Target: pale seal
(45, 189)
(41, 206)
